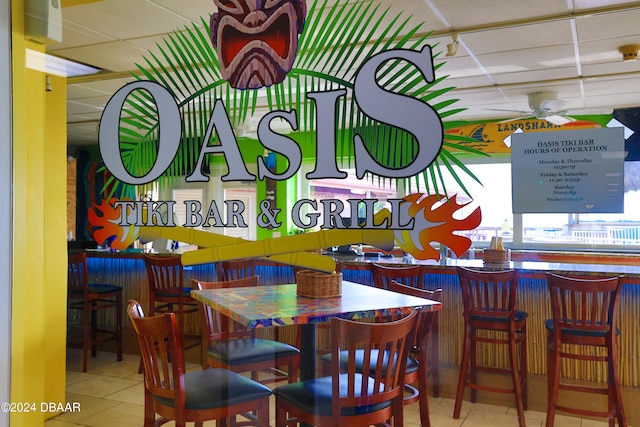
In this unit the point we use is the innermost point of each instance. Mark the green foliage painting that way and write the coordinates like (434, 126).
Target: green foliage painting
(336, 39)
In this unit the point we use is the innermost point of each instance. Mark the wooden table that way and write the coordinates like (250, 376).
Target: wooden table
(266, 306)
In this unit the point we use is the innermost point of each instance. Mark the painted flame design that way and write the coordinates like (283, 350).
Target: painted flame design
(105, 218)
(435, 225)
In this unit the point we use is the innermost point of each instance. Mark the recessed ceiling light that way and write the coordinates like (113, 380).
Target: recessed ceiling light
(57, 66)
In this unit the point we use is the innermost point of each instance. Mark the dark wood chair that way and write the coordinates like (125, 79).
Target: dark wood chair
(419, 353)
(168, 293)
(235, 269)
(489, 300)
(89, 298)
(354, 398)
(203, 395)
(229, 345)
(584, 315)
(382, 275)
(413, 276)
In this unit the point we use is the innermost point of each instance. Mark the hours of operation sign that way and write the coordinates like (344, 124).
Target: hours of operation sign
(580, 171)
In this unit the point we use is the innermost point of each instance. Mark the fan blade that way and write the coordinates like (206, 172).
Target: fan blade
(551, 104)
(516, 118)
(559, 120)
(509, 111)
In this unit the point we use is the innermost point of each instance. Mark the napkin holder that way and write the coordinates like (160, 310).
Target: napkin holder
(315, 284)
(496, 257)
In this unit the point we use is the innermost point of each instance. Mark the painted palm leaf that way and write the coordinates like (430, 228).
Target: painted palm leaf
(337, 38)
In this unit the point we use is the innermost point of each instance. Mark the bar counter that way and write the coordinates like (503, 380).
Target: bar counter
(128, 271)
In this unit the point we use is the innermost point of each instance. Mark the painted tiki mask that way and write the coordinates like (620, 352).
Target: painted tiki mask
(256, 40)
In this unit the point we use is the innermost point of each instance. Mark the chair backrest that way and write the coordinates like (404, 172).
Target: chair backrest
(213, 325)
(584, 304)
(235, 269)
(488, 293)
(410, 276)
(164, 273)
(78, 276)
(351, 389)
(162, 355)
(425, 320)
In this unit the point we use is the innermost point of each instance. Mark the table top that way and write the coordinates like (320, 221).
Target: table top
(278, 305)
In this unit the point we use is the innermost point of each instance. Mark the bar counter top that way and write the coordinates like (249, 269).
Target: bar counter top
(556, 262)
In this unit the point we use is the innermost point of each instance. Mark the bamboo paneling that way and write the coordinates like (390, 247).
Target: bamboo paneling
(533, 298)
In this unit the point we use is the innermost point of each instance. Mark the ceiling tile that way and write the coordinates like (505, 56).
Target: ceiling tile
(193, 10)
(123, 19)
(465, 13)
(610, 26)
(518, 38)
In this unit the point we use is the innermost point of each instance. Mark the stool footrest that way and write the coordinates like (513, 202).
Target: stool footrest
(490, 388)
(584, 389)
(586, 412)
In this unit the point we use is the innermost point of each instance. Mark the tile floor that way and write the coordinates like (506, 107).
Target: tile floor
(110, 394)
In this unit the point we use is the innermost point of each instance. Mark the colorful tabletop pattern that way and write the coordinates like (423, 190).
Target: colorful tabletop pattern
(263, 306)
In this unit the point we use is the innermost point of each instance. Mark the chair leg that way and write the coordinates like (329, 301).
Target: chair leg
(85, 334)
(553, 367)
(462, 378)
(281, 415)
(473, 370)
(434, 358)
(94, 328)
(614, 383)
(515, 376)
(524, 367)
(149, 414)
(423, 396)
(119, 327)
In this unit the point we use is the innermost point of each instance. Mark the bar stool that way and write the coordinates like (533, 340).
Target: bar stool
(489, 299)
(584, 314)
(90, 298)
(414, 277)
(235, 269)
(410, 276)
(168, 293)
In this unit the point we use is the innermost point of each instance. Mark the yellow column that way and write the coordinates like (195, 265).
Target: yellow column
(39, 230)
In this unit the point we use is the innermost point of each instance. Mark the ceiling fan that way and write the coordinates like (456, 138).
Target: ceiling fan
(545, 105)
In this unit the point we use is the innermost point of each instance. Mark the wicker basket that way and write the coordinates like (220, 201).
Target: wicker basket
(314, 284)
(496, 257)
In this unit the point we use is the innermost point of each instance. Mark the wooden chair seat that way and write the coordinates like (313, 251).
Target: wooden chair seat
(229, 345)
(247, 351)
(211, 394)
(417, 367)
(354, 398)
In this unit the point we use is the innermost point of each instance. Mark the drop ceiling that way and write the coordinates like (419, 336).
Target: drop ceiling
(507, 49)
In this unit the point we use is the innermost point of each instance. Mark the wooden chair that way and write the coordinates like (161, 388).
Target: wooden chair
(419, 354)
(382, 275)
(89, 298)
(584, 315)
(413, 276)
(212, 394)
(354, 398)
(228, 345)
(235, 269)
(489, 299)
(168, 293)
